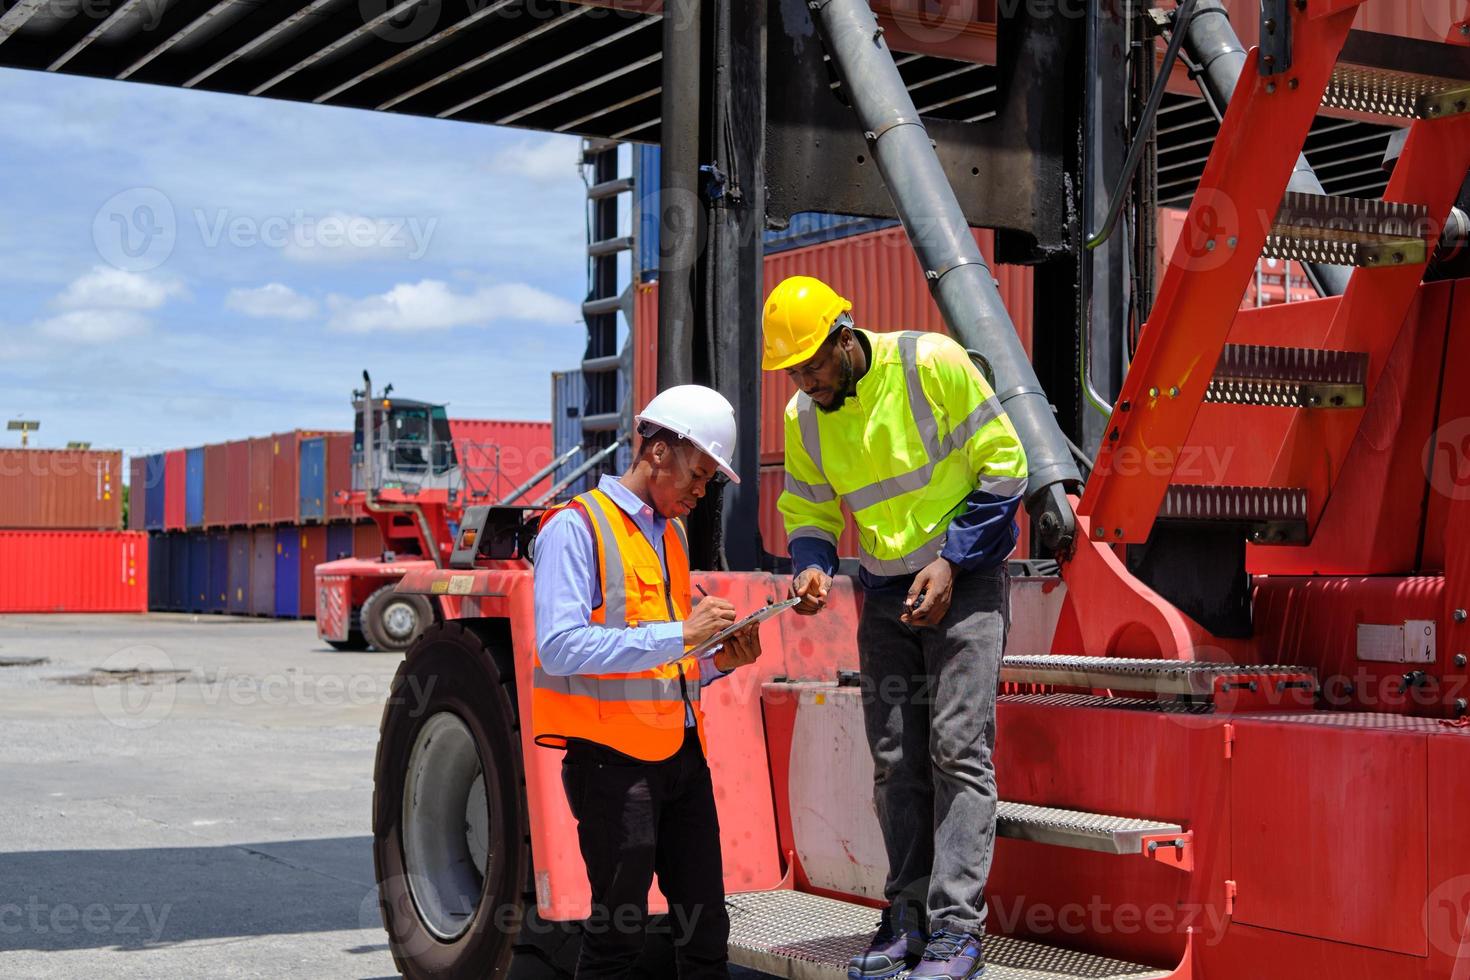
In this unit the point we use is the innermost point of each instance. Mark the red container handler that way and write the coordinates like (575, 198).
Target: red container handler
(339, 474)
(137, 491)
(74, 571)
(216, 485)
(237, 482)
(258, 508)
(367, 540)
(313, 553)
(54, 489)
(173, 490)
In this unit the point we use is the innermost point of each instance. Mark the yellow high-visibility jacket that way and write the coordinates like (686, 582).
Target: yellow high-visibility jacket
(923, 433)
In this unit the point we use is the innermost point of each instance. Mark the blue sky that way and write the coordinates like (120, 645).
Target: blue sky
(182, 267)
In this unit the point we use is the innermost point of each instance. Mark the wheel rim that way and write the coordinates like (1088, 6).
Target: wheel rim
(446, 822)
(400, 621)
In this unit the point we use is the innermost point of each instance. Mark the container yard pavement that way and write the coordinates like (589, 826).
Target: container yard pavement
(213, 822)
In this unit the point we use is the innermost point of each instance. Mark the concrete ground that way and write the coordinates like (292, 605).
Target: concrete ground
(212, 823)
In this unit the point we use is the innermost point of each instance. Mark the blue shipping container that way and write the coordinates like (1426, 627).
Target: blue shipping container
(194, 487)
(219, 573)
(313, 476)
(238, 599)
(339, 541)
(158, 577)
(288, 572)
(153, 493)
(178, 572)
(198, 600)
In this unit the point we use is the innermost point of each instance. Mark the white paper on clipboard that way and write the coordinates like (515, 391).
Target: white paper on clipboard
(759, 616)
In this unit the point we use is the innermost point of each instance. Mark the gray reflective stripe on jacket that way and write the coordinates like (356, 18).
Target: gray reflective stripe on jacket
(613, 689)
(906, 564)
(614, 582)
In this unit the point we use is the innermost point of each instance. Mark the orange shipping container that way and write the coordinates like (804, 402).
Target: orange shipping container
(74, 571)
(62, 488)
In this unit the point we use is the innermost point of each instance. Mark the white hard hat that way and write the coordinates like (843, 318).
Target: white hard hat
(702, 416)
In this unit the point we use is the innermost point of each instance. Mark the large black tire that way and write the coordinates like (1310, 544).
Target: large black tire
(459, 680)
(391, 622)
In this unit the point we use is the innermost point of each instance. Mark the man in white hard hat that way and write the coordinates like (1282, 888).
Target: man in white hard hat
(615, 688)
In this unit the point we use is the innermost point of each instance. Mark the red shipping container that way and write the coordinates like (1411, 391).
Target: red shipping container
(237, 481)
(173, 490)
(137, 490)
(45, 489)
(285, 489)
(877, 272)
(216, 485)
(367, 540)
(339, 475)
(259, 503)
(74, 571)
(313, 553)
(498, 456)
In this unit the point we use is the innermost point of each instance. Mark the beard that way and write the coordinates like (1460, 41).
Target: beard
(846, 385)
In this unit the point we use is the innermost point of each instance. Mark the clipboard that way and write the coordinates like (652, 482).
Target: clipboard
(759, 616)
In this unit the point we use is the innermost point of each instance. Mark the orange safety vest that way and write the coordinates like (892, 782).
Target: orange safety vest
(641, 714)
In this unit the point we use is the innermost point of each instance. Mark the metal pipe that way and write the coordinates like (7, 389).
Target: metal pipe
(577, 473)
(679, 206)
(959, 279)
(541, 474)
(1211, 43)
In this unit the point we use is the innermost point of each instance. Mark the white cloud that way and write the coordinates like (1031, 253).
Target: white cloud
(431, 305)
(273, 300)
(114, 289)
(548, 158)
(94, 326)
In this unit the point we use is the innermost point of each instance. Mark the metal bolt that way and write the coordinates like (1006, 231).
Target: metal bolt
(1126, 407)
(1461, 660)
(1210, 245)
(1461, 706)
(1117, 532)
(1465, 29)
(1270, 25)
(1460, 615)
(869, 135)
(1101, 533)
(877, 34)
(1232, 241)
(1293, 83)
(1153, 393)
(1173, 391)
(1270, 86)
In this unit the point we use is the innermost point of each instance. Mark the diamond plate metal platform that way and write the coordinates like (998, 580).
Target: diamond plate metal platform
(1078, 828)
(1402, 94)
(1348, 231)
(808, 937)
(1195, 678)
(1292, 377)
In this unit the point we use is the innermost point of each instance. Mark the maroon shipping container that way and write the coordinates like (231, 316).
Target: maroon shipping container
(258, 505)
(367, 540)
(237, 482)
(498, 456)
(173, 490)
(137, 491)
(339, 474)
(62, 488)
(74, 571)
(313, 553)
(216, 485)
(263, 572)
(286, 477)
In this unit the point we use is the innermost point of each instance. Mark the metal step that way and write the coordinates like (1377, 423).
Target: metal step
(1275, 515)
(1077, 828)
(809, 937)
(1293, 377)
(609, 246)
(1402, 94)
(610, 188)
(1181, 677)
(1329, 230)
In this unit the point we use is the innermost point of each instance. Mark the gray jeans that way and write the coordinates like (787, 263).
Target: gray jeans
(929, 709)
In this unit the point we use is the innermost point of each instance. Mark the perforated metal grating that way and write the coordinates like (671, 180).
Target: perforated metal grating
(1162, 676)
(1121, 704)
(1078, 828)
(792, 934)
(1392, 93)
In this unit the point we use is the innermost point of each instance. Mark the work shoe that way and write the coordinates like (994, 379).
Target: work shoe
(892, 951)
(951, 956)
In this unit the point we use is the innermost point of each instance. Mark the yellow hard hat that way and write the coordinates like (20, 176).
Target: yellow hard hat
(799, 315)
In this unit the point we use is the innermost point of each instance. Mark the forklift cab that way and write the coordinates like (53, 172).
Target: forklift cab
(411, 447)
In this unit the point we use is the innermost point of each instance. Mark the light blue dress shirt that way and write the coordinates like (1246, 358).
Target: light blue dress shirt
(567, 590)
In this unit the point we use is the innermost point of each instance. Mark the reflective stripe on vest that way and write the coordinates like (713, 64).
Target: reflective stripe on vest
(938, 450)
(639, 714)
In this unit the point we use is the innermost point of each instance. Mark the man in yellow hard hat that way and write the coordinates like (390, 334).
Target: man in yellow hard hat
(904, 430)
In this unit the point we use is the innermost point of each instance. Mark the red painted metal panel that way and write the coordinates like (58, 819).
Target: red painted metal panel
(498, 456)
(237, 478)
(313, 553)
(259, 504)
(1446, 455)
(1307, 800)
(74, 571)
(367, 540)
(1276, 281)
(339, 474)
(1447, 909)
(62, 488)
(1427, 20)
(173, 490)
(216, 485)
(285, 477)
(137, 484)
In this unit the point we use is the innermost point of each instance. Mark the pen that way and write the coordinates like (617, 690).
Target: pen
(701, 590)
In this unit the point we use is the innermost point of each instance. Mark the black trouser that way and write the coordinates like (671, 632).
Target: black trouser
(637, 818)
